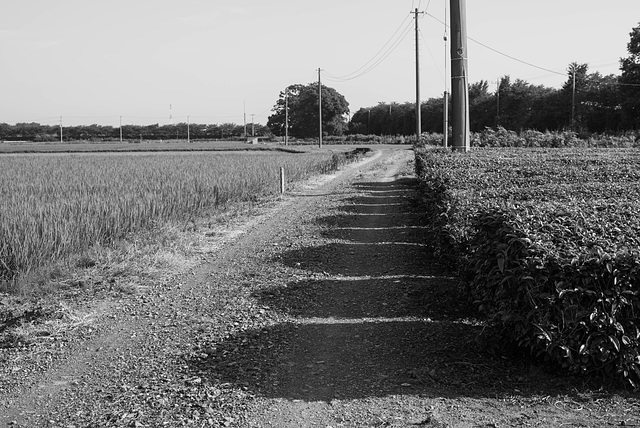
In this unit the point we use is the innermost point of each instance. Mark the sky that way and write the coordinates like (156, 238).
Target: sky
(217, 61)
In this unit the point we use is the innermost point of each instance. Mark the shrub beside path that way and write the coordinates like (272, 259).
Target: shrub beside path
(324, 310)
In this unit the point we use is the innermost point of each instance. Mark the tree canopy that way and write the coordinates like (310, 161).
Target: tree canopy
(44, 133)
(302, 101)
(596, 103)
(630, 81)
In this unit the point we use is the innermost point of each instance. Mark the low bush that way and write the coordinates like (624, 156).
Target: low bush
(501, 137)
(550, 247)
(375, 139)
(580, 314)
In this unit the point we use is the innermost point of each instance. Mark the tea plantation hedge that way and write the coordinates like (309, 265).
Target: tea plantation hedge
(548, 241)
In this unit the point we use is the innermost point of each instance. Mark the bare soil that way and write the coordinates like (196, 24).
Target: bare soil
(323, 309)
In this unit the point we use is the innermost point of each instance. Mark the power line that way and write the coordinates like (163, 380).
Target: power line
(514, 58)
(432, 57)
(626, 84)
(404, 29)
(373, 66)
(374, 58)
(426, 9)
(263, 112)
(90, 117)
(502, 53)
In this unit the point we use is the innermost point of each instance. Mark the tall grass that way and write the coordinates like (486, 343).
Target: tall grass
(56, 205)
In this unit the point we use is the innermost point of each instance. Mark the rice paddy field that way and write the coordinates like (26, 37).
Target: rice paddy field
(55, 205)
(129, 146)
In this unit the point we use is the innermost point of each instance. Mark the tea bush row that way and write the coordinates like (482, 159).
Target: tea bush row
(501, 137)
(549, 245)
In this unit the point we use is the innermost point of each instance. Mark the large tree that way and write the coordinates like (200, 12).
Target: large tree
(630, 81)
(302, 101)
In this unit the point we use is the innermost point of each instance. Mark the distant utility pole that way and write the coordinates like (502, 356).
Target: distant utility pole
(498, 101)
(418, 113)
(286, 117)
(61, 129)
(188, 131)
(121, 129)
(253, 131)
(459, 78)
(244, 115)
(573, 100)
(320, 107)
(497, 82)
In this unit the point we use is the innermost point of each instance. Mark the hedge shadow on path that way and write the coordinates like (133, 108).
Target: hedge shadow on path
(376, 317)
(435, 298)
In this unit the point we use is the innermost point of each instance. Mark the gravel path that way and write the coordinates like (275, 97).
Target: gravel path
(357, 336)
(326, 310)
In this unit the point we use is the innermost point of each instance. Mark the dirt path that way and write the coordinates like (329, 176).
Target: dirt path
(325, 311)
(358, 339)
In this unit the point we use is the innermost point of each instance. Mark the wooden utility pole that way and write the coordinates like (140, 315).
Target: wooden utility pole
(418, 113)
(320, 107)
(459, 77)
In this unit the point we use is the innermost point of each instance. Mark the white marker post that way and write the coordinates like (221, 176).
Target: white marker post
(281, 181)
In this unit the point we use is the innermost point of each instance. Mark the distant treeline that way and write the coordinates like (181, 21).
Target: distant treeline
(599, 104)
(43, 133)
(586, 103)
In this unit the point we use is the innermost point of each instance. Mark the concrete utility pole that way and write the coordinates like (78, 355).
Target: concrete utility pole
(188, 131)
(445, 98)
(320, 107)
(459, 82)
(418, 113)
(445, 120)
(61, 129)
(573, 100)
(244, 117)
(498, 81)
(253, 128)
(286, 117)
